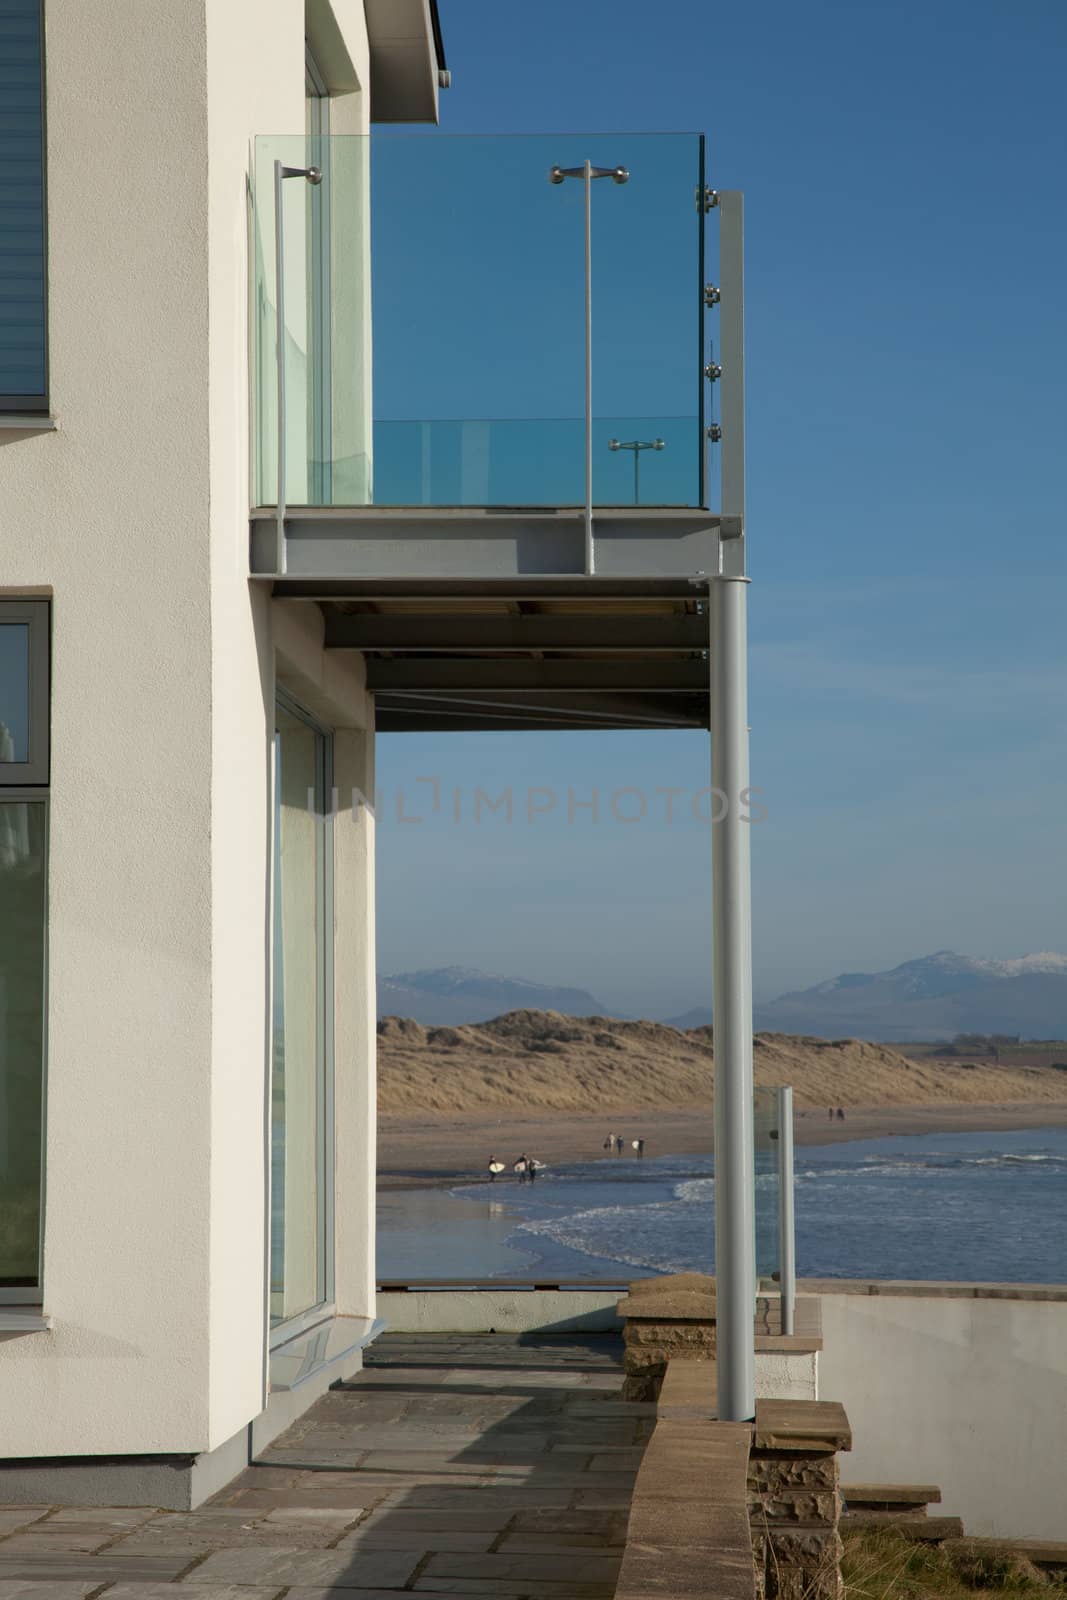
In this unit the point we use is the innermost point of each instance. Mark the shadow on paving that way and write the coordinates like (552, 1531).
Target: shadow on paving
(472, 1465)
(459, 1466)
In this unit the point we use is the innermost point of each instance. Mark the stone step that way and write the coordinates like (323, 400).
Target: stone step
(903, 1499)
(807, 1426)
(1042, 1552)
(927, 1530)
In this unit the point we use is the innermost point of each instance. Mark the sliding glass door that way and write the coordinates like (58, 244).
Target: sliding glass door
(302, 1052)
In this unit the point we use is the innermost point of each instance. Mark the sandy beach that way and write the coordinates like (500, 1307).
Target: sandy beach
(432, 1150)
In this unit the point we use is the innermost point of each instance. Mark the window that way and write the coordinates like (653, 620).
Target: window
(23, 938)
(23, 691)
(23, 336)
(302, 1050)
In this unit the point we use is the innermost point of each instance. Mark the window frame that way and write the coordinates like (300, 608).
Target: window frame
(37, 405)
(35, 616)
(281, 1332)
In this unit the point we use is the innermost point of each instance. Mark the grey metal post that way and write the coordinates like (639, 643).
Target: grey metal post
(313, 176)
(735, 1240)
(731, 358)
(787, 1259)
(587, 172)
(279, 305)
(590, 554)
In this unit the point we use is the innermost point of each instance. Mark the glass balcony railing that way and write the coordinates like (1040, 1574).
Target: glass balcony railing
(434, 313)
(765, 1128)
(775, 1220)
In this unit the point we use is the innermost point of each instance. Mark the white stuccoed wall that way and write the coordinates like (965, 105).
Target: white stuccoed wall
(970, 1394)
(134, 516)
(112, 514)
(255, 84)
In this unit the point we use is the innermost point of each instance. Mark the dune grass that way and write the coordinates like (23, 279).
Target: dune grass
(881, 1565)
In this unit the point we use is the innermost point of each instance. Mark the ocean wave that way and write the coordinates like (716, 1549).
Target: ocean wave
(930, 1166)
(653, 1237)
(695, 1190)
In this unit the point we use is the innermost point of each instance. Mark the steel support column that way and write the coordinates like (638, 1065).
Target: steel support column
(735, 1241)
(787, 1256)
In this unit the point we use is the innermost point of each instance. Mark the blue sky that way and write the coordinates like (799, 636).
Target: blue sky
(906, 255)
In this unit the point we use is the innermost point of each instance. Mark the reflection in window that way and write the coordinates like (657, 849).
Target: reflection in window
(300, 1036)
(14, 691)
(23, 342)
(22, 990)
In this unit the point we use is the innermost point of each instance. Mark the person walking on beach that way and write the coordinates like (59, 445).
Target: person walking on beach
(522, 1167)
(831, 1113)
(620, 1144)
(495, 1166)
(609, 1142)
(840, 1114)
(639, 1146)
(532, 1165)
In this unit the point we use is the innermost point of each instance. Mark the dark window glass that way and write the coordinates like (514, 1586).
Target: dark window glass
(22, 988)
(23, 381)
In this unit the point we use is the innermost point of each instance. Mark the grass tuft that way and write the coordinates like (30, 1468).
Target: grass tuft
(883, 1565)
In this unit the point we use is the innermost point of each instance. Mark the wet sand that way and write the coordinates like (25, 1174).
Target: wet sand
(431, 1150)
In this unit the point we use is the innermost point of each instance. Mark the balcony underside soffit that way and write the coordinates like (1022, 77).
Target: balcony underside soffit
(439, 663)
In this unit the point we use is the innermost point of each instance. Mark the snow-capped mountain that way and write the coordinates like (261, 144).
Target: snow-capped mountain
(933, 997)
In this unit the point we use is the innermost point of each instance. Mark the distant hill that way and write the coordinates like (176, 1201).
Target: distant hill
(535, 1060)
(451, 995)
(699, 1017)
(933, 997)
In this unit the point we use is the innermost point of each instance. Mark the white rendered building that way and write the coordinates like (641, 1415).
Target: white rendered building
(225, 558)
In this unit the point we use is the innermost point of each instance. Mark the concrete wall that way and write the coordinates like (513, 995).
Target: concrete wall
(968, 1393)
(248, 91)
(133, 516)
(780, 1375)
(499, 1310)
(111, 515)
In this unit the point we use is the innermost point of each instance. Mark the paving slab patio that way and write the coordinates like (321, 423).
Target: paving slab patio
(496, 1466)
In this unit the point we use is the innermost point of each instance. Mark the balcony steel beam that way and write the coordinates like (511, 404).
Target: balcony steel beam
(411, 713)
(559, 676)
(483, 543)
(476, 633)
(598, 591)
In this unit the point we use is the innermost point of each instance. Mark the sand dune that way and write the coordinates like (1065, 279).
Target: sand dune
(539, 1060)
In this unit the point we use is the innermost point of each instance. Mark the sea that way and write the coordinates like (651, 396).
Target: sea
(985, 1207)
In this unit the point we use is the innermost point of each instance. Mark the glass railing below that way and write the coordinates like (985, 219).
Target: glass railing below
(434, 320)
(775, 1221)
(535, 461)
(765, 1133)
